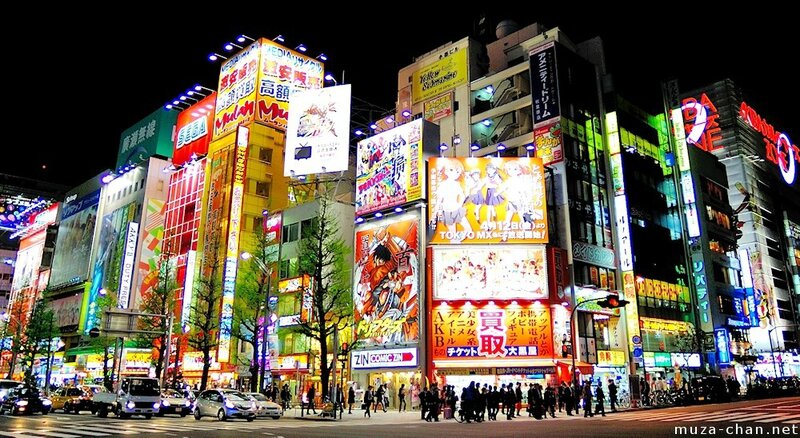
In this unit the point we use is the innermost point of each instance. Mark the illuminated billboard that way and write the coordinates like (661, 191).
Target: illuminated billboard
(490, 331)
(443, 75)
(236, 100)
(74, 241)
(389, 168)
(544, 83)
(194, 130)
(150, 136)
(387, 280)
(318, 134)
(490, 272)
(487, 200)
(548, 142)
(152, 231)
(281, 73)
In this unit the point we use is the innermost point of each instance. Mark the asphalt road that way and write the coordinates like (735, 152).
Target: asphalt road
(774, 417)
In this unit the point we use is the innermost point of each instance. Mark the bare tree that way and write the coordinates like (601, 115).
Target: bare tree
(158, 300)
(204, 310)
(250, 313)
(323, 256)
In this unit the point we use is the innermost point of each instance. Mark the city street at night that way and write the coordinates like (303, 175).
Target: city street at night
(774, 417)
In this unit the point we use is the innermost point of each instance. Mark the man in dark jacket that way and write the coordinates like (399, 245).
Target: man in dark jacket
(509, 402)
(566, 394)
(312, 392)
(587, 399)
(612, 394)
(518, 395)
(601, 399)
(423, 401)
(549, 401)
(351, 399)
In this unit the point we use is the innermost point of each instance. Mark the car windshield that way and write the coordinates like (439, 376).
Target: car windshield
(171, 394)
(144, 387)
(257, 396)
(236, 396)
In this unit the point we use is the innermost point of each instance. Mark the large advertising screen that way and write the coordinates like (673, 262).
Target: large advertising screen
(318, 136)
(29, 259)
(487, 200)
(150, 136)
(489, 331)
(386, 287)
(389, 168)
(74, 241)
(282, 72)
(490, 273)
(236, 92)
(441, 76)
(194, 130)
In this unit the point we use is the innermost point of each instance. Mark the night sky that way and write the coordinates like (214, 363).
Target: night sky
(74, 85)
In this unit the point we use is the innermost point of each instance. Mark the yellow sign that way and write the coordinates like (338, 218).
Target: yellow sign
(236, 98)
(438, 107)
(665, 325)
(441, 76)
(610, 358)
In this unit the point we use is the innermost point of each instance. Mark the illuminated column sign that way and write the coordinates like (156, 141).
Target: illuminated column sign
(232, 252)
(701, 288)
(126, 275)
(623, 228)
(687, 186)
(723, 345)
(188, 288)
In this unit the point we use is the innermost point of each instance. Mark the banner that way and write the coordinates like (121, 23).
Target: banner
(491, 332)
(236, 91)
(389, 168)
(491, 272)
(548, 142)
(194, 130)
(438, 107)
(487, 200)
(150, 136)
(387, 280)
(74, 241)
(544, 83)
(318, 136)
(441, 76)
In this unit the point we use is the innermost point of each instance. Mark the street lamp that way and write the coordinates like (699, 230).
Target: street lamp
(267, 271)
(772, 348)
(610, 301)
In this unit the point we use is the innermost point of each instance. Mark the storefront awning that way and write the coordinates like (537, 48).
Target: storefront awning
(584, 368)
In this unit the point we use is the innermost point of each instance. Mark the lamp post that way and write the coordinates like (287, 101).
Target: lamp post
(772, 348)
(266, 271)
(610, 301)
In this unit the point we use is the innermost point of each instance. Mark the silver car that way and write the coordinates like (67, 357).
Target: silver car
(266, 408)
(224, 404)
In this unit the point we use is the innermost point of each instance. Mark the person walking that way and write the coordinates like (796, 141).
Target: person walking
(312, 392)
(493, 403)
(369, 397)
(601, 399)
(423, 402)
(518, 396)
(351, 399)
(566, 394)
(612, 394)
(401, 398)
(509, 402)
(549, 401)
(379, 398)
(587, 400)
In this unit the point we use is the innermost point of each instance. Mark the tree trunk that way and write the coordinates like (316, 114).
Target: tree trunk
(254, 366)
(12, 363)
(324, 369)
(206, 367)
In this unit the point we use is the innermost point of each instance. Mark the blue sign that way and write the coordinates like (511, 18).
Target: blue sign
(637, 339)
(752, 311)
(637, 352)
(723, 345)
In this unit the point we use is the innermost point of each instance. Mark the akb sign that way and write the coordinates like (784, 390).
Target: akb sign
(779, 148)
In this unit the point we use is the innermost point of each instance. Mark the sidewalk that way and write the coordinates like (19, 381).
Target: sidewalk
(380, 417)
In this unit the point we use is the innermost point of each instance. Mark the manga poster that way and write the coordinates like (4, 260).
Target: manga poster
(387, 280)
(487, 200)
(490, 272)
(388, 168)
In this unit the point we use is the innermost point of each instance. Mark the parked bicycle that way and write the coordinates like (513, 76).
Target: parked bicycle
(624, 400)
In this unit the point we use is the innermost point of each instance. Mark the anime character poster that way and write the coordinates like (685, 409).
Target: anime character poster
(487, 200)
(387, 280)
(490, 272)
(388, 168)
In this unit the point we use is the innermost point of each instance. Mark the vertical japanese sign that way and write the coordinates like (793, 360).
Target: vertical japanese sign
(701, 289)
(544, 83)
(232, 247)
(282, 72)
(386, 287)
(723, 343)
(489, 331)
(126, 275)
(236, 99)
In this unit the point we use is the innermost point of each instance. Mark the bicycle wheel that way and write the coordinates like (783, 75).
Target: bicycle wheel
(625, 402)
(459, 416)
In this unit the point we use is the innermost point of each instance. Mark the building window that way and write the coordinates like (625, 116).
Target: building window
(262, 188)
(258, 222)
(265, 155)
(291, 232)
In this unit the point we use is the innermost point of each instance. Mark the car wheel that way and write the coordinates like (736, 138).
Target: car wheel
(197, 415)
(148, 416)
(221, 415)
(249, 419)
(276, 417)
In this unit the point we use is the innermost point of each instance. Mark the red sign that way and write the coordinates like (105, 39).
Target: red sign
(701, 123)
(779, 149)
(194, 130)
(559, 274)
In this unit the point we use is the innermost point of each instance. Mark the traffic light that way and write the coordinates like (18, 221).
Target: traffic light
(612, 302)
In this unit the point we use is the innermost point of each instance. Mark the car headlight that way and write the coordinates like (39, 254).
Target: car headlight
(47, 402)
(229, 404)
(188, 403)
(130, 405)
(165, 402)
(156, 406)
(22, 402)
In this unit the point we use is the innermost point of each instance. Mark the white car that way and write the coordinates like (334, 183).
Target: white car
(266, 408)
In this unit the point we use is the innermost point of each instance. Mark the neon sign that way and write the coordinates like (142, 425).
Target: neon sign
(779, 149)
(702, 127)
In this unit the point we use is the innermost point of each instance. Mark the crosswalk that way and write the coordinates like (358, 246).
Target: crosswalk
(741, 415)
(114, 427)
